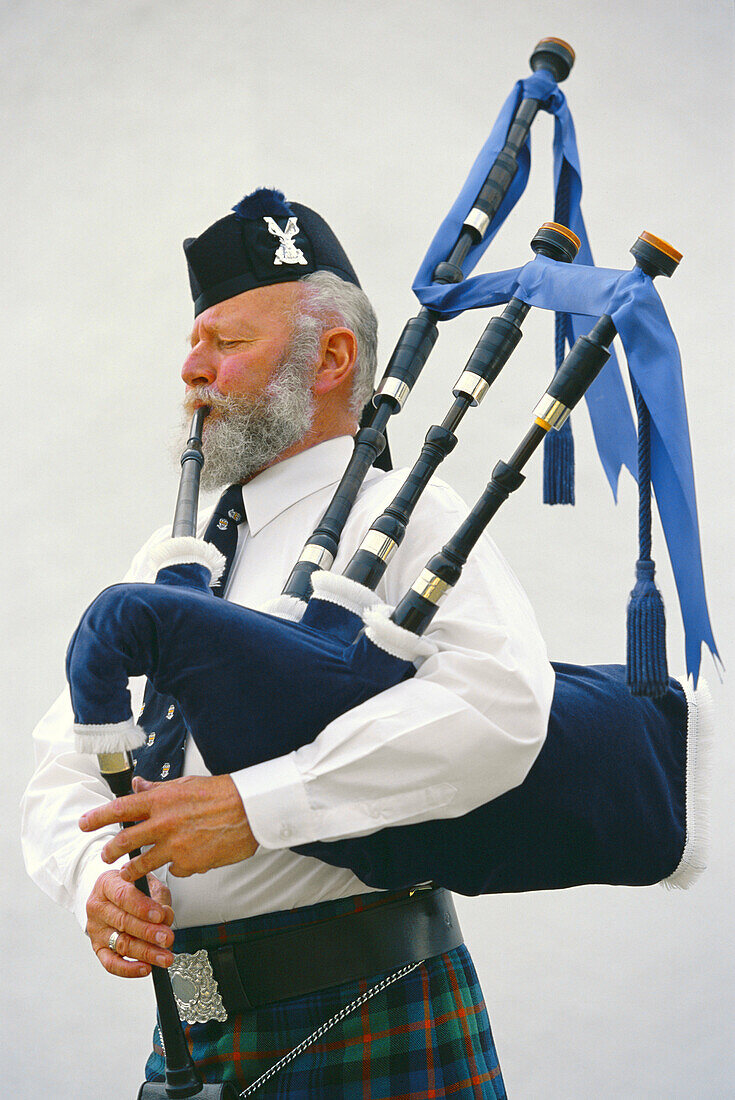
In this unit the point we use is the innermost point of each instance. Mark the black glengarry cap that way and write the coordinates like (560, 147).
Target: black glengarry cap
(265, 240)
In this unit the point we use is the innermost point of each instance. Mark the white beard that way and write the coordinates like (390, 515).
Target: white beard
(244, 434)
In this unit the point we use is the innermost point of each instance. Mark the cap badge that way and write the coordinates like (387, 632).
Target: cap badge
(287, 252)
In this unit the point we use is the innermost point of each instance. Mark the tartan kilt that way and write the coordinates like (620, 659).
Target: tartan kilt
(425, 1036)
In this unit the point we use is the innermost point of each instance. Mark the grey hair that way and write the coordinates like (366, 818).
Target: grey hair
(327, 300)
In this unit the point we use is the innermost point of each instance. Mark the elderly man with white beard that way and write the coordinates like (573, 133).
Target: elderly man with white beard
(283, 353)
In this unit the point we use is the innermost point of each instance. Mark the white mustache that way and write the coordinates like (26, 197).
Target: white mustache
(217, 402)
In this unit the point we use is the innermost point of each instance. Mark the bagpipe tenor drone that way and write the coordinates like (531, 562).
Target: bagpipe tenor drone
(616, 794)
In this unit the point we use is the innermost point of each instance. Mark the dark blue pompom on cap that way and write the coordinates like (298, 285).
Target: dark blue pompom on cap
(265, 202)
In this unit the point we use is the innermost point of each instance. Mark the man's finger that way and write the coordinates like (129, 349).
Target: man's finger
(143, 864)
(130, 947)
(133, 807)
(120, 967)
(128, 898)
(110, 917)
(127, 840)
(141, 784)
(161, 893)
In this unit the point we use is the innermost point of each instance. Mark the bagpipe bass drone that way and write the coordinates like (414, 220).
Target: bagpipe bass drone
(613, 796)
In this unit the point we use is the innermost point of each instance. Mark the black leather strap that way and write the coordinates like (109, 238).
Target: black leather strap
(295, 961)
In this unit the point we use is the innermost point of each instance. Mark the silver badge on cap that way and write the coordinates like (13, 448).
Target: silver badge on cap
(287, 252)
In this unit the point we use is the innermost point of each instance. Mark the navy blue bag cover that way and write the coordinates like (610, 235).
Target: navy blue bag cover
(605, 801)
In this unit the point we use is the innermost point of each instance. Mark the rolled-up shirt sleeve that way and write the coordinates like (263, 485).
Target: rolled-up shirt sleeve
(464, 730)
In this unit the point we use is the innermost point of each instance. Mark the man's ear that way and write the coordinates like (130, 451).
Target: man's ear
(339, 352)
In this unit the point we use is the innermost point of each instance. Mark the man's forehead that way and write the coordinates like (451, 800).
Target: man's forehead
(252, 307)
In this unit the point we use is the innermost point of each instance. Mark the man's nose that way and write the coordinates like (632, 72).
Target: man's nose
(200, 368)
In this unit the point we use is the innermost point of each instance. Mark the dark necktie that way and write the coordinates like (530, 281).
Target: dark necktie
(222, 530)
(162, 756)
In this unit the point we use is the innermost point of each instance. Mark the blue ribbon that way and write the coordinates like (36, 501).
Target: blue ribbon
(630, 298)
(612, 423)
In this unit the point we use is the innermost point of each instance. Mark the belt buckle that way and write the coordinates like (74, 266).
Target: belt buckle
(195, 988)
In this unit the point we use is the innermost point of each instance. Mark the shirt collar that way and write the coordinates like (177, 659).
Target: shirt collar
(294, 479)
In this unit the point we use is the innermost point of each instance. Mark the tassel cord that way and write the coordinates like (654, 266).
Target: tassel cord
(644, 476)
(558, 473)
(561, 217)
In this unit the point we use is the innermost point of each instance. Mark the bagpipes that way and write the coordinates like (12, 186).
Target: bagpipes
(611, 797)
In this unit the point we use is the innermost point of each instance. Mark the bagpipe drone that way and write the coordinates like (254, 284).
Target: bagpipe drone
(612, 796)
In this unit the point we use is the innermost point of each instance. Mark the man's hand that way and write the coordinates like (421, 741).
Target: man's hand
(194, 823)
(144, 923)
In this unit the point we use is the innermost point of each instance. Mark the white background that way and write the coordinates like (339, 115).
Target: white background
(129, 126)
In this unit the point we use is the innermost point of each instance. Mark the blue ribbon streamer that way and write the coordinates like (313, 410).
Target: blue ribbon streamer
(630, 298)
(612, 423)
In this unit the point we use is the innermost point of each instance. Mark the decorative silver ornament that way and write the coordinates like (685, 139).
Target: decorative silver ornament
(195, 989)
(287, 252)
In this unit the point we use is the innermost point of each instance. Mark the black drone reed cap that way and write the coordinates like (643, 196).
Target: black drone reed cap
(556, 241)
(553, 54)
(655, 256)
(265, 240)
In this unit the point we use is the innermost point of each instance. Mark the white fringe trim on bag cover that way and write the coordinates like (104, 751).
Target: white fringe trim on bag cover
(339, 590)
(700, 735)
(186, 550)
(109, 737)
(395, 639)
(285, 607)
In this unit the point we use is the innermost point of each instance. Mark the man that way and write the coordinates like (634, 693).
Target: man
(283, 352)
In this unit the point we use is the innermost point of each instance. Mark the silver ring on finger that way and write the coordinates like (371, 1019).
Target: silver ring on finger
(112, 942)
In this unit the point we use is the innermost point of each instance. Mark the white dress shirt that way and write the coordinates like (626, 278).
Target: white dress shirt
(465, 729)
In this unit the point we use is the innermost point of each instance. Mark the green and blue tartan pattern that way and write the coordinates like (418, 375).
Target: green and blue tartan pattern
(424, 1037)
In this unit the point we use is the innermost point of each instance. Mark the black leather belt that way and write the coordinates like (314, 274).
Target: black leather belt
(288, 963)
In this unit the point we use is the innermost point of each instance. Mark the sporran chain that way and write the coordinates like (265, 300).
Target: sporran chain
(339, 1016)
